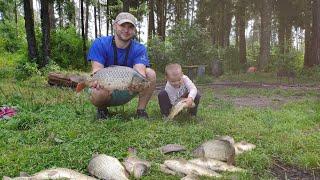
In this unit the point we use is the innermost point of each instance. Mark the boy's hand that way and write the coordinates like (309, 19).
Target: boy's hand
(189, 101)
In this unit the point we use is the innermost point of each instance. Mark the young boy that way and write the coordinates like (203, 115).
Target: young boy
(178, 87)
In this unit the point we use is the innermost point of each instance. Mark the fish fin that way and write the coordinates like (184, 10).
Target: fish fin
(80, 86)
(24, 174)
(6, 178)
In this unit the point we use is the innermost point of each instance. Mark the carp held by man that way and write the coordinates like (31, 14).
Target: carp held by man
(115, 78)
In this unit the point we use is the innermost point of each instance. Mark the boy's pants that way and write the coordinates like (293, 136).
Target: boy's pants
(165, 105)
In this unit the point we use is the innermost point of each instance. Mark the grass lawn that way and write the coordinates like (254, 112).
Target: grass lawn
(56, 128)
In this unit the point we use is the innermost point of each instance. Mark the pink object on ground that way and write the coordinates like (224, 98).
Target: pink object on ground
(7, 112)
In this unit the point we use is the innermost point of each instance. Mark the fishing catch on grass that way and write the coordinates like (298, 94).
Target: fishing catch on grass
(56, 173)
(115, 78)
(178, 108)
(107, 167)
(135, 166)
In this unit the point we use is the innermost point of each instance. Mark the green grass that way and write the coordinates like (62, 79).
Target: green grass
(27, 141)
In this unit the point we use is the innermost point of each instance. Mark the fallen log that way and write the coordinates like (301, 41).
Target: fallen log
(63, 80)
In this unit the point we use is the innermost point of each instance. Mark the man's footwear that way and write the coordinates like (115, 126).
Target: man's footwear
(141, 113)
(102, 113)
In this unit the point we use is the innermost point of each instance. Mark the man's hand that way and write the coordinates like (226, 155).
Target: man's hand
(136, 88)
(189, 101)
(98, 89)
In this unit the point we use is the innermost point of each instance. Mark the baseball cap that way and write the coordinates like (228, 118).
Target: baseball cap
(126, 17)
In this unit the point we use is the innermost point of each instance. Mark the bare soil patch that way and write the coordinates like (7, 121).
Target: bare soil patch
(283, 171)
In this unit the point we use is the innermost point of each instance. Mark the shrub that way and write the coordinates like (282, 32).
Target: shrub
(26, 69)
(12, 38)
(190, 44)
(66, 48)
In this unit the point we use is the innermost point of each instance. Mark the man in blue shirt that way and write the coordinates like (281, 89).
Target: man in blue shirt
(122, 50)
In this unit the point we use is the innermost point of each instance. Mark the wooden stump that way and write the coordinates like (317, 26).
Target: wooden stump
(63, 80)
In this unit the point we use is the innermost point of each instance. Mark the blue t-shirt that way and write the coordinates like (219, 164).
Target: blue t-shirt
(102, 52)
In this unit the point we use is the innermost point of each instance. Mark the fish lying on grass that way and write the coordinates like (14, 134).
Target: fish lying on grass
(106, 167)
(115, 78)
(177, 108)
(243, 146)
(56, 173)
(172, 148)
(218, 149)
(215, 165)
(182, 166)
(134, 165)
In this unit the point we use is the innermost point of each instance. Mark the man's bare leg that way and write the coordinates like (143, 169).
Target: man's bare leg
(145, 95)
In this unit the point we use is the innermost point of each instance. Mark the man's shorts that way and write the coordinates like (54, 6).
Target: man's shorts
(120, 97)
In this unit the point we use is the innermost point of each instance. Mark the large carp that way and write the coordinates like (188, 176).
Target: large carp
(107, 167)
(115, 78)
(56, 173)
(219, 149)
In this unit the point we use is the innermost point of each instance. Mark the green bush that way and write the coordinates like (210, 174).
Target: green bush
(290, 61)
(12, 38)
(26, 69)
(190, 44)
(158, 54)
(66, 48)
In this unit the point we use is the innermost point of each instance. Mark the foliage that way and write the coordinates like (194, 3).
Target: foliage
(290, 61)
(66, 48)
(253, 54)
(12, 38)
(26, 69)
(158, 53)
(190, 44)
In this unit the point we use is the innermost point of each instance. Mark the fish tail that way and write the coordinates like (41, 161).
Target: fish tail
(80, 86)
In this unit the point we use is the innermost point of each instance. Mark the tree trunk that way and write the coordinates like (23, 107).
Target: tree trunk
(315, 40)
(242, 35)
(265, 33)
(107, 18)
(126, 5)
(228, 25)
(179, 7)
(99, 18)
(307, 36)
(16, 16)
(45, 28)
(29, 26)
(151, 27)
(87, 19)
(51, 14)
(71, 13)
(95, 21)
(59, 4)
(161, 18)
(84, 47)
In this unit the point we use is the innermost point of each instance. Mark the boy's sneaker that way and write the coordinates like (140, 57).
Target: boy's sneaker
(141, 113)
(102, 113)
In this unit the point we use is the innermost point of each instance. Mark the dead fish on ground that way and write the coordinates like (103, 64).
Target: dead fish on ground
(191, 177)
(134, 165)
(107, 167)
(115, 78)
(243, 146)
(177, 108)
(215, 165)
(172, 148)
(218, 149)
(56, 173)
(186, 168)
